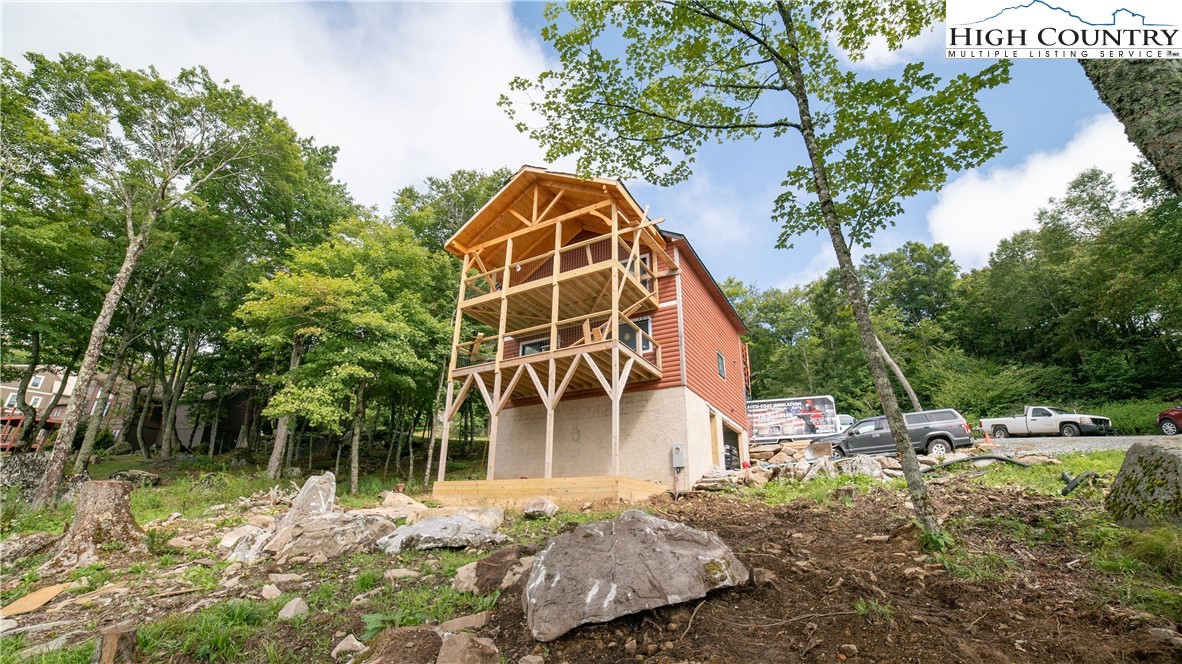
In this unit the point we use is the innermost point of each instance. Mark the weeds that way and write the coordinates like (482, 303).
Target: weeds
(874, 611)
(367, 580)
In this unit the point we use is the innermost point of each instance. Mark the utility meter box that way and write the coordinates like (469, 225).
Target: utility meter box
(679, 455)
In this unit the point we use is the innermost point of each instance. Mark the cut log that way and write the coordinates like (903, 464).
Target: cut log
(116, 645)
(103, 516)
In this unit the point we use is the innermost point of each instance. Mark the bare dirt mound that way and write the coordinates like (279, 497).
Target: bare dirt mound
(853, 584)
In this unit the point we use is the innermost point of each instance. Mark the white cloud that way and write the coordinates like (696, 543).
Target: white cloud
(878, 55)
(406, 90)
(706, 211)
(984, 206)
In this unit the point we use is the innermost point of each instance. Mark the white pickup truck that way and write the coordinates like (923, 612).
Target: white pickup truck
(1046, 421)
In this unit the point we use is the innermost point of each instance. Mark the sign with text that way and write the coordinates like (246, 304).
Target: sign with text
(1075, 29)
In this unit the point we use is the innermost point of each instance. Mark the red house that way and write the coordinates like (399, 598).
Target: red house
(599, 344)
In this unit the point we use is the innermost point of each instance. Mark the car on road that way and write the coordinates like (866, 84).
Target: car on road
(1169, 420)
(931, 432)
(1045, 420)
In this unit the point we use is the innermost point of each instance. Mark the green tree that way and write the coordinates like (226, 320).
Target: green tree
(147, 146)
(691, 72)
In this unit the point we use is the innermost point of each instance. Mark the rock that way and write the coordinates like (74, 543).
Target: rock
(756, 476)
(7, 624)
(263, 521)
(295, 608)
(799, 469)
(1148, 488)
(401, 573)
(119, 449)
(763, 577)
(1038, 459)
(539, 508)
(1167, 636)
(139, 478)
(779, 458)
(315, 497)
(42, 649)
(513, 576)
(537, 659)
(448, 532)
(284, 578)
(318, 559)
(490, 572)
(592, 575)
(400, 506)
(463, 648)
(892, 473)
(821, 468)
(19, 547)
(465, 578)
(271, 591)
(630, 647)
(404, 645)
(22, 477)
(925, 460)
(848, 649)
(489, 517)
(861, 465)
(474, 621)
(116, 645)
(347, 646)
(888, 463)
(293, 472)
(231, 539)
(329, 534)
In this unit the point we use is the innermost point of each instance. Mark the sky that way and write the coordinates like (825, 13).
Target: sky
(409, 90)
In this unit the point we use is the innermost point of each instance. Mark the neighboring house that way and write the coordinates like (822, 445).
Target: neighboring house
(39, 394)
(605, 341)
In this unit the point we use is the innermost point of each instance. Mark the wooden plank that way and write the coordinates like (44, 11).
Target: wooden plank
(553, 202)
(560, 488)
(607, 386)
(562, 217)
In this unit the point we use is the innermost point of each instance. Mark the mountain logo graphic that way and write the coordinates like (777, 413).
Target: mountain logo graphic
(1119, 13)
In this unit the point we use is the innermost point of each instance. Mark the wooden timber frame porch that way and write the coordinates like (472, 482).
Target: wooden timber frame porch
(558, 266)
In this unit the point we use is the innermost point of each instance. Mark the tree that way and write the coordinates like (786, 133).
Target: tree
(697, 71)
(147, 146)
(1146, 96)
(437, 212)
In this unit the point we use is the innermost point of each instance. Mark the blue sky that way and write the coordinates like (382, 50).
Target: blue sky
(408, 90)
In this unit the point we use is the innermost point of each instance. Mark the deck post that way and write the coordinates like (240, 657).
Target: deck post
(494, 411)
(615, 332)
(550, 400)
(451, 365)
(494, 417)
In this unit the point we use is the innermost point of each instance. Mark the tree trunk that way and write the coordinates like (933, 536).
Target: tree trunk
(794, 81)
(1146, 96)
(393, 435)
(95, 423)
(139, 427)
(28, 422)
(890, 362)
(213, 434)
(103, 515)
(275, 465)
(244, 431)
(355, 447)
(57, 396)
(180, 378)
(47, 494)
(434, 418)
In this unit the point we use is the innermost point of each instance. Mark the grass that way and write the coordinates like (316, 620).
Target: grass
(820, 490)
(422, 604)
(1045, 479)
(975, 566)
(367, 580)
(874, 611)
(215, 634)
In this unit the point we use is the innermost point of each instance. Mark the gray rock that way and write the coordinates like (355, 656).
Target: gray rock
(249, 546)
(293, 609)
(315, 497)
(284, 578)
(20, 547)
(539, 508)
(441, 532)
(137, 477)
(330, 534)
(1148, 488)
(606, 569)
(532, 659)
(271, 591)
(7, 624)
(889, 463)
(119, 449)
(348, 645)
(821, 468)
(463, 648)
(42, 648)
(472, 622)
(1167, 636)
(465, 578)
(293, 472)
(22, 473)
(489, 517)
(231, 539)
(401, 573)
(861, 465)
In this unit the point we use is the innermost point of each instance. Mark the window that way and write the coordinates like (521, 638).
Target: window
(944, 416)
(637, 342)
(721, 365)
(534, 347)
(11, 401)
(36, 382)
(1040, 412)
(916, 418)
(862, 427)
(35, 402)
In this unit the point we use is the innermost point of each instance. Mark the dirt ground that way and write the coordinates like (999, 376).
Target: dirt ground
(826, 561)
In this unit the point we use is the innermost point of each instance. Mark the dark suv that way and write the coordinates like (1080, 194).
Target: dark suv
(932, 432)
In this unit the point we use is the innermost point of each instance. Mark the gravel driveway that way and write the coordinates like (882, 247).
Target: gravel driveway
(1058, 444)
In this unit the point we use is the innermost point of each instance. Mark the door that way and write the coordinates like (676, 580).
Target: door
(1041, 421)
(865, 437)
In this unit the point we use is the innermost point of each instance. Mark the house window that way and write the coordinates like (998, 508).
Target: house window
(36, 382)
(534, 347)
(637, 342)
(721, 365)
(35, 402)
(11, 401)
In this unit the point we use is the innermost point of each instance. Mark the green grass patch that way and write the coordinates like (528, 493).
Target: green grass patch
(1046, 479)
(77, 654)
(874, 611)
(975, 566)
(820, 490)
(423, 604)
(367, 580)
(216, 634)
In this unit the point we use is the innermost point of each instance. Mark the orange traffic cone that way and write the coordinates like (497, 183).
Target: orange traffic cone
(987, 440)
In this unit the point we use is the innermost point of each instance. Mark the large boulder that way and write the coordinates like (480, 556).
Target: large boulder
(861, 465)
(137, 477)
(539, 508)
(606, 569)
(330, 534)
(315, 497)
(1148, 488)
(489, 517)
(441, 532)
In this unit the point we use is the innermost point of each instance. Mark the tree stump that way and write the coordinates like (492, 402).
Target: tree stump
(116, 645)
(103, 517)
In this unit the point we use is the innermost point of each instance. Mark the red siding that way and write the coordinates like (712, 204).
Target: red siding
(708, 331)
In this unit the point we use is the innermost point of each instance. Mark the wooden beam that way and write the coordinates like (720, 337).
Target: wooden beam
(624, 374)
(520, 217)
(488, 400)
(451, 410)
(534, 213)
(615, 330)
(550, 404)
(563, 217)
(603, 382)
(494, 425)
(508, 391)
(553, 201)
(446, 428)
(570, 373)
(543, 393)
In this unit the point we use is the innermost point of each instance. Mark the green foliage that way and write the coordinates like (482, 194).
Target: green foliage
(819, 490)
(874, 611)
(939, 540)
(367, 580)
(216, 634)
(422, 604)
